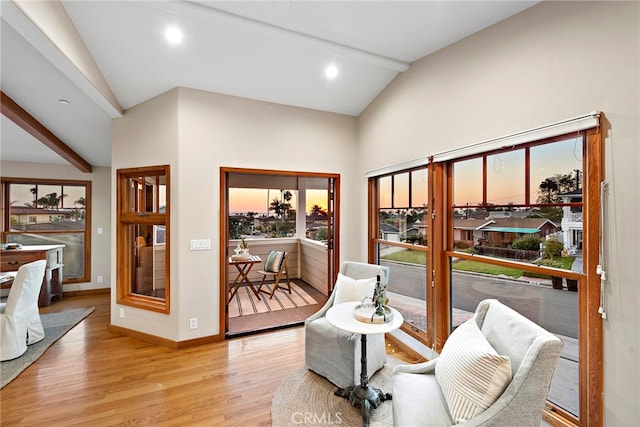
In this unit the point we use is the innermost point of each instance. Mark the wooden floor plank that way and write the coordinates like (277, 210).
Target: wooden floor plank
(95, 377)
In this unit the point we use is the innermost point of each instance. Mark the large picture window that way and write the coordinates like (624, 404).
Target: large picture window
(514, 221)
(523, 207)
(143, 238)
(51, 212)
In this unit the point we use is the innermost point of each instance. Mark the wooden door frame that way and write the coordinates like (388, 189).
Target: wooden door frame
(333, 251)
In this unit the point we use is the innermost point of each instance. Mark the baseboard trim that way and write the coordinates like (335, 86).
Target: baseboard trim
(152, 339)
(86, 292)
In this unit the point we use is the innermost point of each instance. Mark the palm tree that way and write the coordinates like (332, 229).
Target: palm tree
(318, 212)
(286, 205)
(34, 191)
(277, 207)
(51, 200)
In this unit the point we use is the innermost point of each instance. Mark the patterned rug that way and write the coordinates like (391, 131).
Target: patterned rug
(245, 303)
(55, 326)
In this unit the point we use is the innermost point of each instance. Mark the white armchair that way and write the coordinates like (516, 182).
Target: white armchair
(494, 370)
(333, 353)
(20, 323)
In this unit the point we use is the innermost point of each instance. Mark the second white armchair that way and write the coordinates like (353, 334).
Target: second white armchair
(334, 353)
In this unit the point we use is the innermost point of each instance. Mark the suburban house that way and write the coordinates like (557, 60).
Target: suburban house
(553, 63)
(500, 232)
(26, 216)
(572, 221)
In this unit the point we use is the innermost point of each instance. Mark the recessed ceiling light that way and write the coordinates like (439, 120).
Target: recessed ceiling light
(331, 71)
(64, 101)
(173, 35)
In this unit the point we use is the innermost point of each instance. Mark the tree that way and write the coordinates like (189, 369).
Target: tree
(286, 205)
(51, 200)
(550, 188)
(552, 248)
(322, 234)
(277, 207)
(318, 212)
(34, 191)
(415, 214)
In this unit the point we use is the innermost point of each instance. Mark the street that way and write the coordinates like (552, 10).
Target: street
(554, 310)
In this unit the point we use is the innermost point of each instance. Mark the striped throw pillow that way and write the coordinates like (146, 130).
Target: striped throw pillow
(274, 261)
(471, 374)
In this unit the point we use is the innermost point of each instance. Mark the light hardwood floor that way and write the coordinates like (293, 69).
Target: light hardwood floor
(92, 377)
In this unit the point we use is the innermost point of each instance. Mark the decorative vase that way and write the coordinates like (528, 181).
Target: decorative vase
(245, 251)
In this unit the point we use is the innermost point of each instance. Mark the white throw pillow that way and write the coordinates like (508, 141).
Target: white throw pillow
(348, 289)
(471, 374)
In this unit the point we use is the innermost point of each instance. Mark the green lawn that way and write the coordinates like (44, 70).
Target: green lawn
(481, 267)
(417, 257)
(409, 256)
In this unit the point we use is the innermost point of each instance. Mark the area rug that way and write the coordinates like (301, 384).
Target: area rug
(55, 326)
(245, 303)
(306, 398)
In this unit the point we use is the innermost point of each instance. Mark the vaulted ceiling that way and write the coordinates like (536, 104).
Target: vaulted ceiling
(72, 66)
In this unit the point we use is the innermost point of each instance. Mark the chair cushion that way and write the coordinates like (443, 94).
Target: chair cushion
(471, 374)
(418, 401)
(348, 289)
(273, 264)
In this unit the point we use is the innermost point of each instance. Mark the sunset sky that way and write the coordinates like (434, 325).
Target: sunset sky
(243, 200)
(506, 180)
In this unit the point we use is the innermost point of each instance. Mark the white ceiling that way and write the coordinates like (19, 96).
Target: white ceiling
(274, 51)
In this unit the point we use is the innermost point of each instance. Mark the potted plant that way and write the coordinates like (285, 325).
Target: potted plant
(556, 281)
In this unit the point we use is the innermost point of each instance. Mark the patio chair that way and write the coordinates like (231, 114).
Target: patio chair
(275, 267)
(20, 323)
(333, 353)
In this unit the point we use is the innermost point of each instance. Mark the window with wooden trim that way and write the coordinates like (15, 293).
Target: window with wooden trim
(51, 212)
(143, 237)
(398, 224)
(517, 227)
(519, 223)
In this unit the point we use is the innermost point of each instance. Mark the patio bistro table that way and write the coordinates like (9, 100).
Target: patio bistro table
(243, 266)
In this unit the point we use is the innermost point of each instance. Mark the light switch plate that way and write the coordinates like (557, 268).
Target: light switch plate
(200, 244)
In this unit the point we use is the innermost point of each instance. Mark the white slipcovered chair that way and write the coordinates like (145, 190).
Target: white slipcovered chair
(333, 353)
(494, 370)
(20, 323)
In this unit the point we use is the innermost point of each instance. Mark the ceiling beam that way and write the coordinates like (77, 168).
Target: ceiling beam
(18, 115)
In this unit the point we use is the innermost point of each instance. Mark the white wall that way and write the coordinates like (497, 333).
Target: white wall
(554, 61)
(197, 133)
(100, 211)
(146, 135)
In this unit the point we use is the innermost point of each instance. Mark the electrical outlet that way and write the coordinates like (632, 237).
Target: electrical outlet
(193, 323)
(122, 313)
(99, 279)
